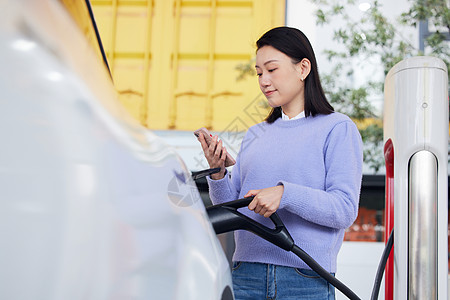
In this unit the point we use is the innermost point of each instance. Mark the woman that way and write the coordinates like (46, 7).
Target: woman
(304, 161)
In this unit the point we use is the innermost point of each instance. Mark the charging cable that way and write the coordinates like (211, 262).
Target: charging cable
(225, 217)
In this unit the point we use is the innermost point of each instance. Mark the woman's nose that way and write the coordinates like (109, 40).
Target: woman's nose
(264, 81)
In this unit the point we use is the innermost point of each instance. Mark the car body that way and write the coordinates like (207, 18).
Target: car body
(93, 205)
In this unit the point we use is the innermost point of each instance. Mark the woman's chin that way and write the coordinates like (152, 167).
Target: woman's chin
(273, 105)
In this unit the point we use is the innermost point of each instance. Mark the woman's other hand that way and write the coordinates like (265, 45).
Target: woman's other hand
(215, 154)
(266, 201)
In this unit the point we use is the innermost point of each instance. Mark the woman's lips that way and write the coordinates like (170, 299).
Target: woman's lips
(268, 93)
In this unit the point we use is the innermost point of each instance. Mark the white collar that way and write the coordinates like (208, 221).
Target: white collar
(286, 118)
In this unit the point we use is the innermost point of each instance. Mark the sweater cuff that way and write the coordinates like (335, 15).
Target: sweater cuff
(290, 192)
(209, 179)
(283, 197)
(219, 189)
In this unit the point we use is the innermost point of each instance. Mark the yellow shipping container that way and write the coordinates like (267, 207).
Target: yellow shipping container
(174, 61)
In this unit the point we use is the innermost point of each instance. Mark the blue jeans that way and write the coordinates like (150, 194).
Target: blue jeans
(256, 281)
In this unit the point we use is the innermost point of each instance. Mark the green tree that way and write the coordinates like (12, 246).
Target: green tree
(372, 35)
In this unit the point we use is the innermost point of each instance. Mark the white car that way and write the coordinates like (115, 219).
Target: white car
(92, 205)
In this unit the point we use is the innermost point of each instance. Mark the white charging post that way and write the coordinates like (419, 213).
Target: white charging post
(416, 123)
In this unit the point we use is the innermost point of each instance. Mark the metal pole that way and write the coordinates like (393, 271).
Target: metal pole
(423, 242)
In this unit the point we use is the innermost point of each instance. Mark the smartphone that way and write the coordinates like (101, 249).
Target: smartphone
(229, 160)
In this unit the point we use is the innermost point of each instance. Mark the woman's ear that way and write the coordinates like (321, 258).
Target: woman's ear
(304, 67)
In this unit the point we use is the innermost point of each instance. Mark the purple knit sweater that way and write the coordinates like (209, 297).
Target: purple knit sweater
(319, 162)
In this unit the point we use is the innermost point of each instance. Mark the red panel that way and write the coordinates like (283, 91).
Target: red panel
(389, 215)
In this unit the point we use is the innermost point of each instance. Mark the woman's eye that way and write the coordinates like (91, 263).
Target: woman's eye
(271, 70)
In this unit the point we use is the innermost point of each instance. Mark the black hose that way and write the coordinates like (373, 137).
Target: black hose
(225, 217)
(381, 266)
(323, 273)
(97, 35)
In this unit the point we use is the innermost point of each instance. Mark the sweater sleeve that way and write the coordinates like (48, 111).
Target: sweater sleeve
(337, 205)
(225, 189)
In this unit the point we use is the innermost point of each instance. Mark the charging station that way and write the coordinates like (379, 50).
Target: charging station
(416, 131)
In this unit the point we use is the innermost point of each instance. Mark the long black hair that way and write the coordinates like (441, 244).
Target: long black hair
(296, 45)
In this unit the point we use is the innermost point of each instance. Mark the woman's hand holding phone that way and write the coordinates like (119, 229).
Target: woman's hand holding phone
(215, 154)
